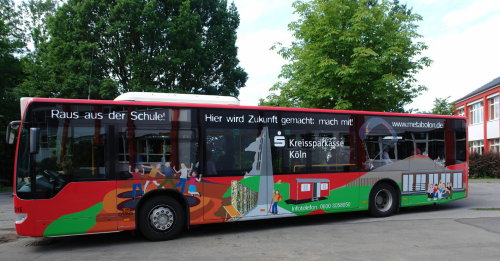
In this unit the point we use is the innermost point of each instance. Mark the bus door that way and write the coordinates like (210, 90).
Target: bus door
(238, 173)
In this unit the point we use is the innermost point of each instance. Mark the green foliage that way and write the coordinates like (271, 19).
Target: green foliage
(5, 189)
(351, 55)
(97, 49)
(11, 36)
(484, 166)
(443, 107)
(35, 14)
(12, 43)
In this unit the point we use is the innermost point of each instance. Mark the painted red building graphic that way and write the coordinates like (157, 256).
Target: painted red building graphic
(308, 190)
(481, 107)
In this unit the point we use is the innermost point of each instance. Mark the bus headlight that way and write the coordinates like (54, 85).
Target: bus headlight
(21, 217)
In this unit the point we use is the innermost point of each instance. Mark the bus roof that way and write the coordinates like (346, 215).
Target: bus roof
(177, 98)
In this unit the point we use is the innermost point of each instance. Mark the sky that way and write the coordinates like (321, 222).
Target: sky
(463, 37)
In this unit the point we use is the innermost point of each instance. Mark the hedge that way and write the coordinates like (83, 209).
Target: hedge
(484, 166)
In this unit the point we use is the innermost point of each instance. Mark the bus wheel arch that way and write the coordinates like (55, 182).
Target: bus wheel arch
(170, 206)
(384, 199)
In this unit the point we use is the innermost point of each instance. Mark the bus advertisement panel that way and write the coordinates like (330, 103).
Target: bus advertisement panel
(88, 167)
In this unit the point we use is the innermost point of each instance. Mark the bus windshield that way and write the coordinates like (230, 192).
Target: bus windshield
(65, 152)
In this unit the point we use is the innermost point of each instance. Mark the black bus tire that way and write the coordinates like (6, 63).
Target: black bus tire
(161, 218)
(383, 200)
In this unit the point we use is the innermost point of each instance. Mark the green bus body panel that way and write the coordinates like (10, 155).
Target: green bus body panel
(76, 223)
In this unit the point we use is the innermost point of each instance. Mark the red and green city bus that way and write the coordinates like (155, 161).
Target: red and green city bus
(159, 163)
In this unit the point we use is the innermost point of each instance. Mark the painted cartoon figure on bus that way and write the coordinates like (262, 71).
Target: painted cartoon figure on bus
(169, 172)
(275, 200)
(449, 190)
(184, 175)
(445, 190)
(192, 183)
(136, 185)
(435, 192)
(152, 176)
(440, 191)
(430, 192)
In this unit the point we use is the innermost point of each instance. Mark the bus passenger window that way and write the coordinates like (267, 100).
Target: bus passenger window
(228, 151)
(152, 147)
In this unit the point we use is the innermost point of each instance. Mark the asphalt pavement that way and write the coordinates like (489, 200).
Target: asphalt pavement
(467, 229)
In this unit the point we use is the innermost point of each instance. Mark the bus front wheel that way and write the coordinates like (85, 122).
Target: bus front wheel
(161, 218)
(383, 200)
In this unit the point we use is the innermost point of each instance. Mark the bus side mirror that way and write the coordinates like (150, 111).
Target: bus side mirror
(11, 133)
(34, 140)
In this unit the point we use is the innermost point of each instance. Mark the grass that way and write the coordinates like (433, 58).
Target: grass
(483, 178)
(489, 209)
(5, 189)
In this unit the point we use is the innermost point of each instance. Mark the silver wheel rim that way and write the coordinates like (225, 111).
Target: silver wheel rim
(383, 200)
(161, 218)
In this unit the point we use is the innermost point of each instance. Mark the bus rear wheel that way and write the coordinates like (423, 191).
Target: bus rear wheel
(383, 200)
(161, 218)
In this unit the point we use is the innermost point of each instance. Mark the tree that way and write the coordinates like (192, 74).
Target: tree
(36, 14)
(36, 66)
(98, 48)
(351, 55)
(64, 62)
(443, 107)
(11, 45)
